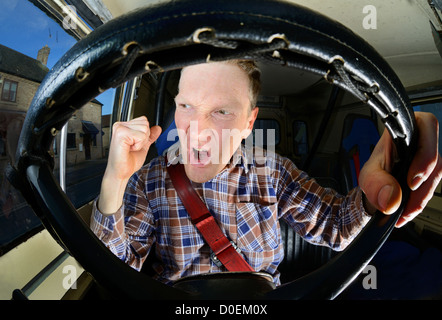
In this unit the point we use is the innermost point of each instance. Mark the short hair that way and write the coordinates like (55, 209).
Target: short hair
(254, 74)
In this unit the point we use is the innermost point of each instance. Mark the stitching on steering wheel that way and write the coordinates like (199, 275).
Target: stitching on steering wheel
(174, 16)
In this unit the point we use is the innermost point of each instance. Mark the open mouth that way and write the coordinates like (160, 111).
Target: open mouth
(199, 156)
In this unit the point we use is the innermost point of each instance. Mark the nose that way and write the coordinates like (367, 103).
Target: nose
(200, 130)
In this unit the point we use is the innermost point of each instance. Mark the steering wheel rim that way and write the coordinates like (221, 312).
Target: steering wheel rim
(169, 36)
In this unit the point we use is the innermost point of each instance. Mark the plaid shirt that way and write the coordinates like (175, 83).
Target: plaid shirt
(247, 199)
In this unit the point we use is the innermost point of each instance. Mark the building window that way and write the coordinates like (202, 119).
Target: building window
(9, 92)
(71, 141)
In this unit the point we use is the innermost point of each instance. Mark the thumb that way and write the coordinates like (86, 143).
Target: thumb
(155, 132)
(381, 189)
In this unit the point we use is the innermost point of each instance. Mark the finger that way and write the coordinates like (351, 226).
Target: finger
(144, 128)
(155, 132)
(380, 188)
(426, 155)
(151, 135)
(140, 124)
(420, 197)
(129, 137)
(138, 119)
(137, 140)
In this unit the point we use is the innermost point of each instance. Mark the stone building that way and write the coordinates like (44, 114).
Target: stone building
(105, 127)
(84, 135)
(20, 77)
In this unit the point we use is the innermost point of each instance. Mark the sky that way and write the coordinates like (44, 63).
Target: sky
(26, 29)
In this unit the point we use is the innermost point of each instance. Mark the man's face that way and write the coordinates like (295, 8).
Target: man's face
(212, 116)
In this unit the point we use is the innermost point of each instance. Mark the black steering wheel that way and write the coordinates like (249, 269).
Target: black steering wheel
(174, 34)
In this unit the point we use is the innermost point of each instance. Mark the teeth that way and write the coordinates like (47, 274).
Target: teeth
(198, 153)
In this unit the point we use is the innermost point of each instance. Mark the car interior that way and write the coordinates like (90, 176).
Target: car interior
(324, 129)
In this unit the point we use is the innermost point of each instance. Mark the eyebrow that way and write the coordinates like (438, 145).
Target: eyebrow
(221, 106)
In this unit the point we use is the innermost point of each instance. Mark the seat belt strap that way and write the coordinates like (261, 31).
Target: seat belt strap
(205, 222)
(357, 164)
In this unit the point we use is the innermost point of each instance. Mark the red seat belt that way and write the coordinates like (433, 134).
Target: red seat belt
(357, 164)
(205, 222)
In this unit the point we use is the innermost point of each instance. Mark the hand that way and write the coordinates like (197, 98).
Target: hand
(382, 190)
(130, 143)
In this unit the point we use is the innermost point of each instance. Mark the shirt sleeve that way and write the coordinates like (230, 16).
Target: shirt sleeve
(319, 215)
(128, 232)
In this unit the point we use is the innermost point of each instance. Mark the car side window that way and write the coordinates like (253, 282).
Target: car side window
(266, 132)
(300, 141)
(31, 43)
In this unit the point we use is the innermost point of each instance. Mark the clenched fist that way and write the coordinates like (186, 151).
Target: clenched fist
(130, 143)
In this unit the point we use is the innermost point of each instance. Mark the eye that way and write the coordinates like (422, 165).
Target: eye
(184, 106)
(224, 112)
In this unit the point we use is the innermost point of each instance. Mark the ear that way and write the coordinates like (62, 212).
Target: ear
(251, 120)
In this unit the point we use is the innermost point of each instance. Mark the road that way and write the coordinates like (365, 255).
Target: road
(83, 181)
(83, 185)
